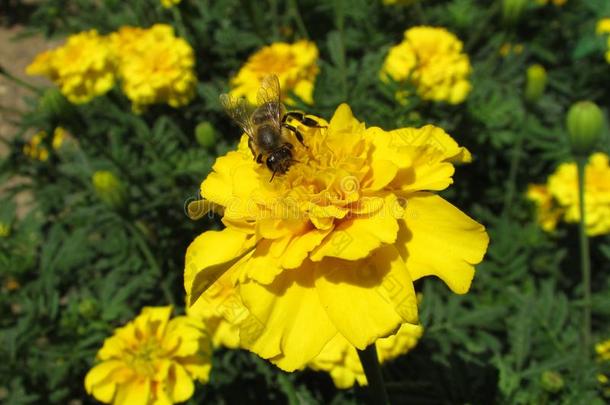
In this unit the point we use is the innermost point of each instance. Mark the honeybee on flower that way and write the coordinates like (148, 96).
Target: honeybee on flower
(267, 125)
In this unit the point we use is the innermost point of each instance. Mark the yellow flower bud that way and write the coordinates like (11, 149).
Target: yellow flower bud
(512, 10)
(205, 134)
(535, 83)
(551, 381)
(584, 122)
(109, 188)
(5, 230)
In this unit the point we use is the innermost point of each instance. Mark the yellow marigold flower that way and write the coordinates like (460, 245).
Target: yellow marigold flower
(432, 59)
(83, 68)
(155, 66)
(221, 310)
(603, 350)
(603, 26)
(332, 247)
(151, 360)
(170, 3)
(36, 149)
(294, 64)
(547, 211)
(340, 359)
(563, 186)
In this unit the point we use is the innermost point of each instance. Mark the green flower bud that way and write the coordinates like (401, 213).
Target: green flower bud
(535, 83)
(512, 10)
(87, 308)
(585, 121)
(551, 381)
(109, 188)
(205, 134)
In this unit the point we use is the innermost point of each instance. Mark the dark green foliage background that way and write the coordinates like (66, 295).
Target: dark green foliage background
(85, 269)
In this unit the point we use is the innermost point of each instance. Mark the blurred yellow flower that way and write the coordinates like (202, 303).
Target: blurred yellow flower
(155, 66)
(559, 197)
(151, 360)
(294, 64)
(603, 28)
(83, 68)
(169, 3)
(36, 149)
(547, 212)
(340, 359)
(432, 60)
(332, 247)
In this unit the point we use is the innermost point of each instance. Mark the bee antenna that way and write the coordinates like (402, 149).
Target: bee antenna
(272, 176)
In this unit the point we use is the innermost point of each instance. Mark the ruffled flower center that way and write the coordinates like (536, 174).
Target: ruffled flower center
(144, 357)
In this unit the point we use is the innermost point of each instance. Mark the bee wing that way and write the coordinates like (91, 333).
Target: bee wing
(240, 111)
(269, 97)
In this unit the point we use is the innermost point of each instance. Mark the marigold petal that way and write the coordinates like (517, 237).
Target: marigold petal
(181, 384)
(98, 377)
(209, 256)
(436, 238)
(379, 291)
(354, 238)
(282, 316)
(135, 392)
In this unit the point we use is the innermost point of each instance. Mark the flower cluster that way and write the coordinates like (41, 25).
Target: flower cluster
(340, 359)
(294, 65)
(83, 68)
(432, 60)
(332, 247)
(151, 360)
(603, 28)
(558, 198)
(153, 65)
(36, 148)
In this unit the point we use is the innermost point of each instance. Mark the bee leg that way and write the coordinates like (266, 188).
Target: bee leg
(259, 158)
(302, 118)
(297, 133)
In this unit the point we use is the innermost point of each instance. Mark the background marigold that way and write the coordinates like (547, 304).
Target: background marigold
(341, 360)
(559, 197)
(83, 68)
(294, 64)
(155, 66)
(431, 58)
(151, 360)
(333, 246)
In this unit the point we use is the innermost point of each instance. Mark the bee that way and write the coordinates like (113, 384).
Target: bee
(269, 133)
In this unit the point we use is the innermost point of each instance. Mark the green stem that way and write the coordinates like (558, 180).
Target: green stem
(18, 81)
(294, 10)
(513, 169)
(585, 261)
(372, 370)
